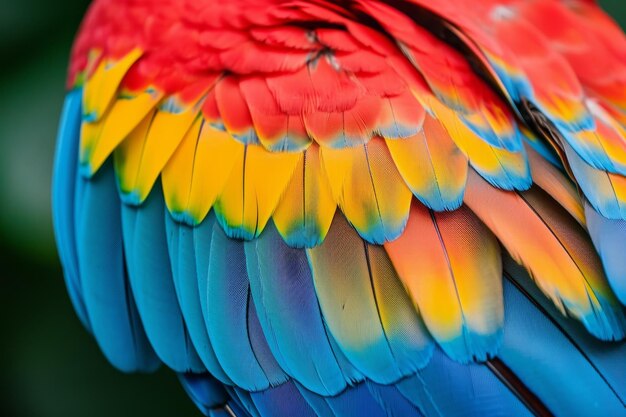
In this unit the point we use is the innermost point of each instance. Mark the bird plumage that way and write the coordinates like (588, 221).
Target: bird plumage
(358, 208)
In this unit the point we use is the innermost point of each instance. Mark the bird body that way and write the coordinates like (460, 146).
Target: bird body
(352, 208)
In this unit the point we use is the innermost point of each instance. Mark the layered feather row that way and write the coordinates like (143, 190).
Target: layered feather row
(345, 191)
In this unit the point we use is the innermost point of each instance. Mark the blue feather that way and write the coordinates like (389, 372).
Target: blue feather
(606, 358)
(244, 400)
(145, 245)
(282, 401)
(392, 401)
(228, 301)
(282, 287)
(353, 401)
(608, 237)
(110, 305)
(202, 235)
(317, 402)
(446, 388)
(205, 391)
(181, 244)
(64, 180)
(547, 362)
(260, 347)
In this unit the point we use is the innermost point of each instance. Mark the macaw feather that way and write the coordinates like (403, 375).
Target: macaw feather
(142, 156)
(450, 265)
(198, 170)
(306, 209)
(150, 276)
(555, 250)
(432, 166)
(101, 137)
(303, 208)
(283, 289)
(253, 189)
(607, 235)
(181, 242)
(369, 189)
(232, 320)
(65, 182)
(388, 341)
(111, 306)
(103, 83)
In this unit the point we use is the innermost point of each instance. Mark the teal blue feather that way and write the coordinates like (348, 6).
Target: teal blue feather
(282, 288)
(228, 307)
(282, 401)
(244, 399)
(545, 150)
(608, 237)
(181, 245)
(392, 401)
(546, 361)
(260, 347)
(446, 388)
(205, 391)
(606, 358)
(110, 305)
(202, 235)
(64, 179)
(145, 246)
(353, 401)
(317, 402)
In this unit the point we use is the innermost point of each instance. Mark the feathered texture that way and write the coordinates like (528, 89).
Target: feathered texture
(283, 401)
(190, 285)
(305, 205)
(432, 165)
(355, 400)
(207, 393)
(606, 359)
(556, 251)
(149, 270)
(64, 187)
(607, 236)
(389, 340)
(450, 265)
(582, 388)
(368, 189)
(230, 313)
(282, 287)
(111, 308)
(447, 388)
(306, 209)
(251, 193)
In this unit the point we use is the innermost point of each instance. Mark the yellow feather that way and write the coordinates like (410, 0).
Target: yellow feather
(198, 170)
(507, 169)
(146, 157)
(431, 165)
(99, 139)
(369, 189)
(306, 210)
(101, 87)
(252, 191)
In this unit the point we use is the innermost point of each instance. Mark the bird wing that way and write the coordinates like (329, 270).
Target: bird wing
(316, 208)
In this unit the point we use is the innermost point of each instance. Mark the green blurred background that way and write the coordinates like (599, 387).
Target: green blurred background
(50, 366)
